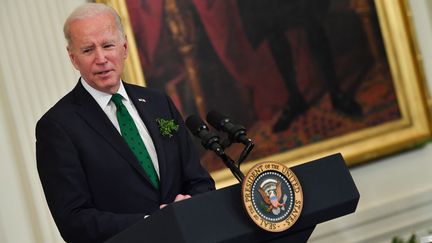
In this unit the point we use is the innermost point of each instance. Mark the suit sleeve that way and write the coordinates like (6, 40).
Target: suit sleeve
(66, 189)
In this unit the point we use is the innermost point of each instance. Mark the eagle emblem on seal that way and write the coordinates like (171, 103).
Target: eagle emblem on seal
(271, 192)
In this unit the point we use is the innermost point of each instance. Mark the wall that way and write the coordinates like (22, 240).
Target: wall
(396, 191)
(34, 73)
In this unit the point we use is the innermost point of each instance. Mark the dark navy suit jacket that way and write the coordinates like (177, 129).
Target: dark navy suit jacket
(92, 181)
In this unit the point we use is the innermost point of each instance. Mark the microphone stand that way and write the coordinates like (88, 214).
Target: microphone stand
(247, 149)
(230, 163)
(235, 170)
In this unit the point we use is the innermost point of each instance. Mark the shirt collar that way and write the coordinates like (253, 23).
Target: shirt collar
(103, 98)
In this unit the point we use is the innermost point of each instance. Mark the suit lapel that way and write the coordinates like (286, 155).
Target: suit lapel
(96, 118)
(147, 110)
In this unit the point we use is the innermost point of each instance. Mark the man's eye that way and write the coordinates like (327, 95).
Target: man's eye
(108, 45)
(86, 50)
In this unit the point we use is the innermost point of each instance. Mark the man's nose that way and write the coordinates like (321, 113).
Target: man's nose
(100, 56)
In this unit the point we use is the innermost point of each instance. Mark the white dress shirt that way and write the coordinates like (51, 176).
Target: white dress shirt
(104, 101)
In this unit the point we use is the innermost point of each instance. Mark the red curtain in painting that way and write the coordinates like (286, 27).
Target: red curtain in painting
(254, 68)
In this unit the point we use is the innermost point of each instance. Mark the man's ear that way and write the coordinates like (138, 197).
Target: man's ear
(125, 46)
(72, 57)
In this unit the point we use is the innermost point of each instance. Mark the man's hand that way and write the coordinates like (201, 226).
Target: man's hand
(179, 197)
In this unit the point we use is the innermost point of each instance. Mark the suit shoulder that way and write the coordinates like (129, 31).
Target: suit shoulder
(63, 106)
(158, 99)
(146, 91)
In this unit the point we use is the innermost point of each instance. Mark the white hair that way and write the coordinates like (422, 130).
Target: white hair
(89, 10)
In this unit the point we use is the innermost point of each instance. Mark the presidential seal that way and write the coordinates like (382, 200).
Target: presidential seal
(272, 196)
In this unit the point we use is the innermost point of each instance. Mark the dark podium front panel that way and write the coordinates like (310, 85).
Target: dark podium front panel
(328, 192)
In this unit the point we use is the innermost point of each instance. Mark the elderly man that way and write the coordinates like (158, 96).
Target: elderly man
(110, 153)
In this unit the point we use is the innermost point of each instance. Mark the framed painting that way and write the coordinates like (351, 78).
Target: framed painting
(305, 78)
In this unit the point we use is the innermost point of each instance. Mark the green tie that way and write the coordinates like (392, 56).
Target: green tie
(131, 135)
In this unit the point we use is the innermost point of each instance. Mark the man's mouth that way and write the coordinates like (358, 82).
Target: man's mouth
(103, 73)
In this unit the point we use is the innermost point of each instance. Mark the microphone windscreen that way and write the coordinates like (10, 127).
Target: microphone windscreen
(195, 124)
(216, 119)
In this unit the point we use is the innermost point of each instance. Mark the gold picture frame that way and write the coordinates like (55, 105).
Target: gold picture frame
(133, 71)
(404, 60)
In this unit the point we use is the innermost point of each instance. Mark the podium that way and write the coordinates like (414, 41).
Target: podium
(218, 216)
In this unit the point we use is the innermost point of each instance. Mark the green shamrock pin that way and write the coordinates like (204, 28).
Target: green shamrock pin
(167, 127)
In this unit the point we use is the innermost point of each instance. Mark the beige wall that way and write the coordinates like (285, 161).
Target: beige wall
(34, 73)
(396, 192)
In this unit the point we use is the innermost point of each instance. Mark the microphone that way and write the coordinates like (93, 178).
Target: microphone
(211, 141)
(236, 133)
(199, 129)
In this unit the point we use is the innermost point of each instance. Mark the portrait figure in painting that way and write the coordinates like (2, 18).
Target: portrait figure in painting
(293, 72)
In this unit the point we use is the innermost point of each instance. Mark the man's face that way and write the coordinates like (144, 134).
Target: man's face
(98, 51)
